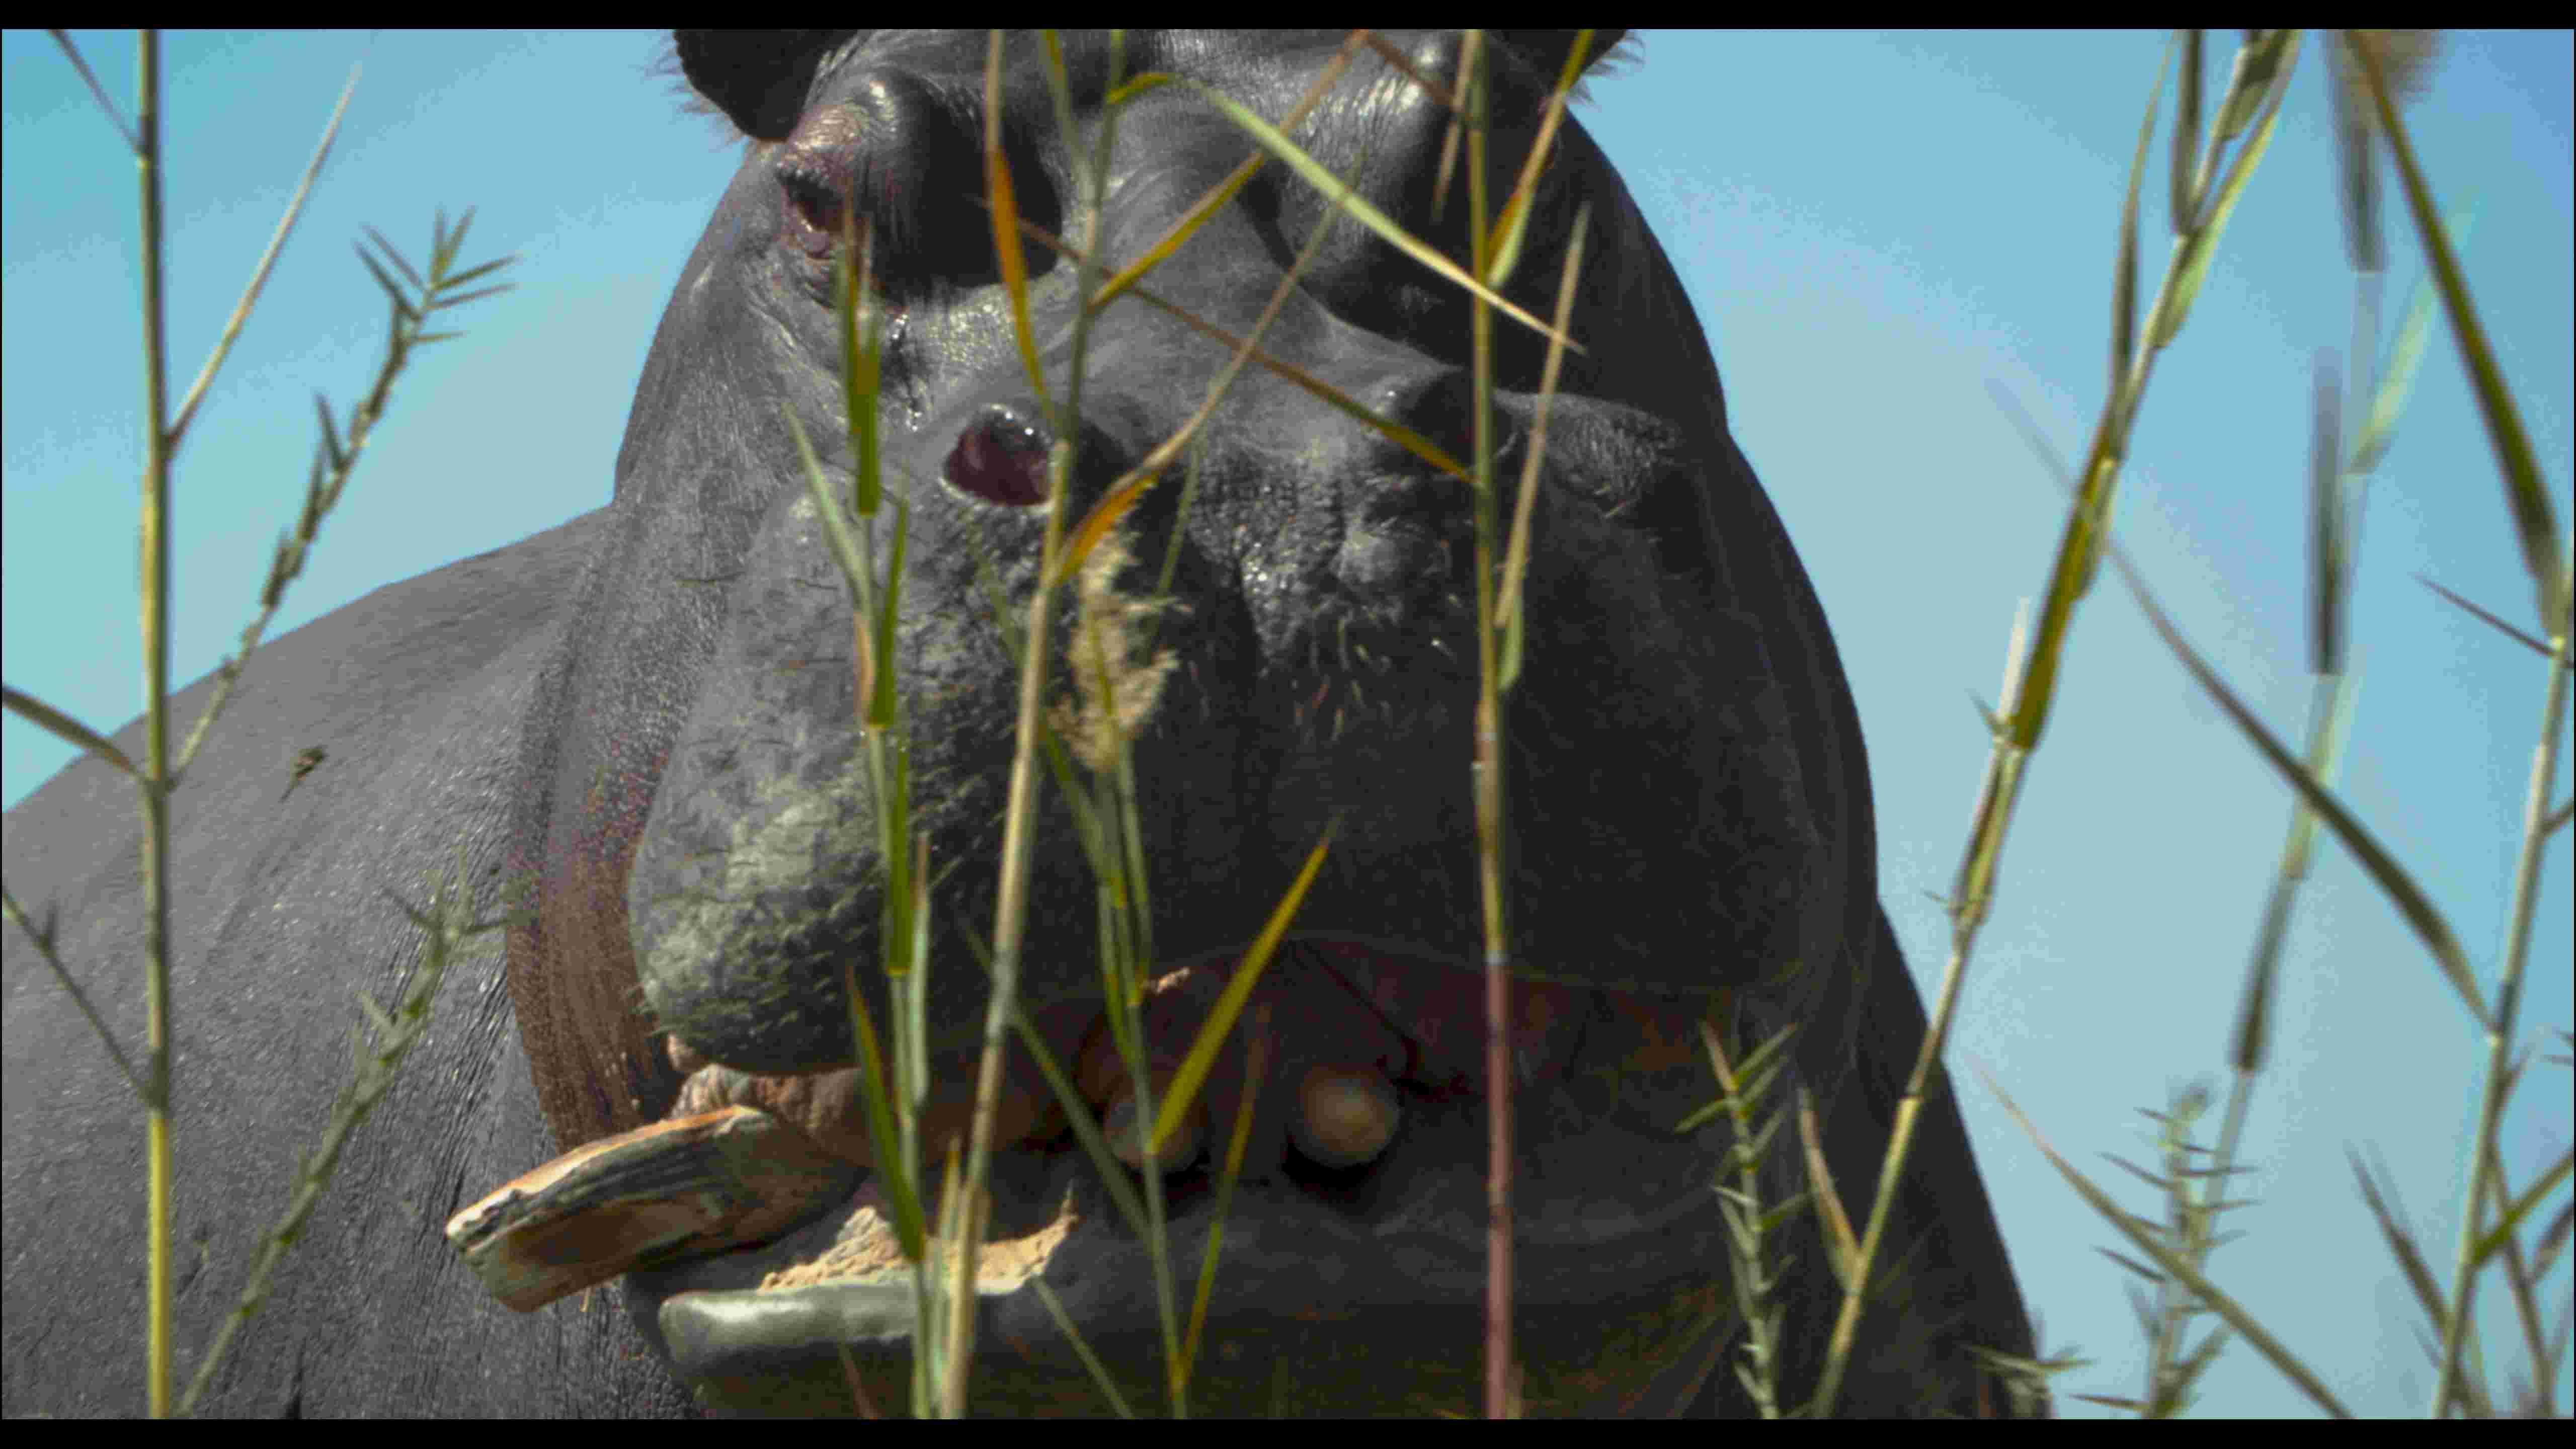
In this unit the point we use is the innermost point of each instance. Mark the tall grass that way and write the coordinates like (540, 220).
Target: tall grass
(446, 918)
(2372, 70)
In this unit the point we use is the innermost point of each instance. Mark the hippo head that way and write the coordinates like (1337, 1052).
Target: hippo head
(1688, 801)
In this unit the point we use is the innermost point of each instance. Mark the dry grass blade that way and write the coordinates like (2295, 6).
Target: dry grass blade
(1101, 521)
(1503, 241)
(1256, 1064)
(1844, 1243)
(1394, 432)
(1194, 1067)
(1343, 195)
(1504, 248)
(1004, 209)
(1507, 599)
(1126, 492)
(1224, 191)
(1078, 1113)
(1471, 48)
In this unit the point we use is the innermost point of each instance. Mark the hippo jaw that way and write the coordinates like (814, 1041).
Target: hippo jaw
(757, 884)
(1331, 1283)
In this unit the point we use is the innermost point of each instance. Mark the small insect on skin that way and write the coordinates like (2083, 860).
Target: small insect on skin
(305, 760)
(1345, 1116)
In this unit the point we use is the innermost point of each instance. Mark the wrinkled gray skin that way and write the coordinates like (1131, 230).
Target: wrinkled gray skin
(645, 712)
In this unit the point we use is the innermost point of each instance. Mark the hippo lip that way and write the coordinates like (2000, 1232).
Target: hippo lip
(1614, 1227)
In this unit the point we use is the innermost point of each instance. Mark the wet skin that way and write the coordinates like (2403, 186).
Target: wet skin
(647, 714)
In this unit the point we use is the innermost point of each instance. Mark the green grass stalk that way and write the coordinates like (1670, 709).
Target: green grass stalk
(2537, 530)
(2372, 68)
(1485, 775)
(154, 796)
(2260, 81)
(157, 775)
(1011, 907)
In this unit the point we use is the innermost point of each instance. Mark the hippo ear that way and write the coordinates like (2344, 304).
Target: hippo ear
(758, 78)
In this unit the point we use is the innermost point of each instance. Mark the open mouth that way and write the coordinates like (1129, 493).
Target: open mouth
(1350, 1253)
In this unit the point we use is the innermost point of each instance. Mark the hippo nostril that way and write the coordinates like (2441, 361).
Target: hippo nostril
(1441, 407)
(1382, 563)
(1000, 459)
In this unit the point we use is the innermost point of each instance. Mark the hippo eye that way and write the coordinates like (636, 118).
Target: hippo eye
(908, 161)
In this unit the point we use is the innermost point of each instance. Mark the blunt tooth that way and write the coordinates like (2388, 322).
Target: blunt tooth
(1127, 1140)
(1345, 1115)
(681, 1188)
(685, 1058)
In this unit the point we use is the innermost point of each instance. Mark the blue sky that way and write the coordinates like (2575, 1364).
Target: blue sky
(1875, 231)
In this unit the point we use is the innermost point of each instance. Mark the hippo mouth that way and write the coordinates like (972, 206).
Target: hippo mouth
(1350, 1251)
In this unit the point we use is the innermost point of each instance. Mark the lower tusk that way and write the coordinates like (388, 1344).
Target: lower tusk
(682, 1188)
(1345, 1115)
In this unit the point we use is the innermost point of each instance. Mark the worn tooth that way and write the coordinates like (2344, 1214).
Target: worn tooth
(684, 1057)
(681, 1188)
(1345, 1115)
(712, 1087)
(1127, 1139)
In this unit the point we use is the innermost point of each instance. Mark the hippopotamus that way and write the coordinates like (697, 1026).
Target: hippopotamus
(635, 734)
